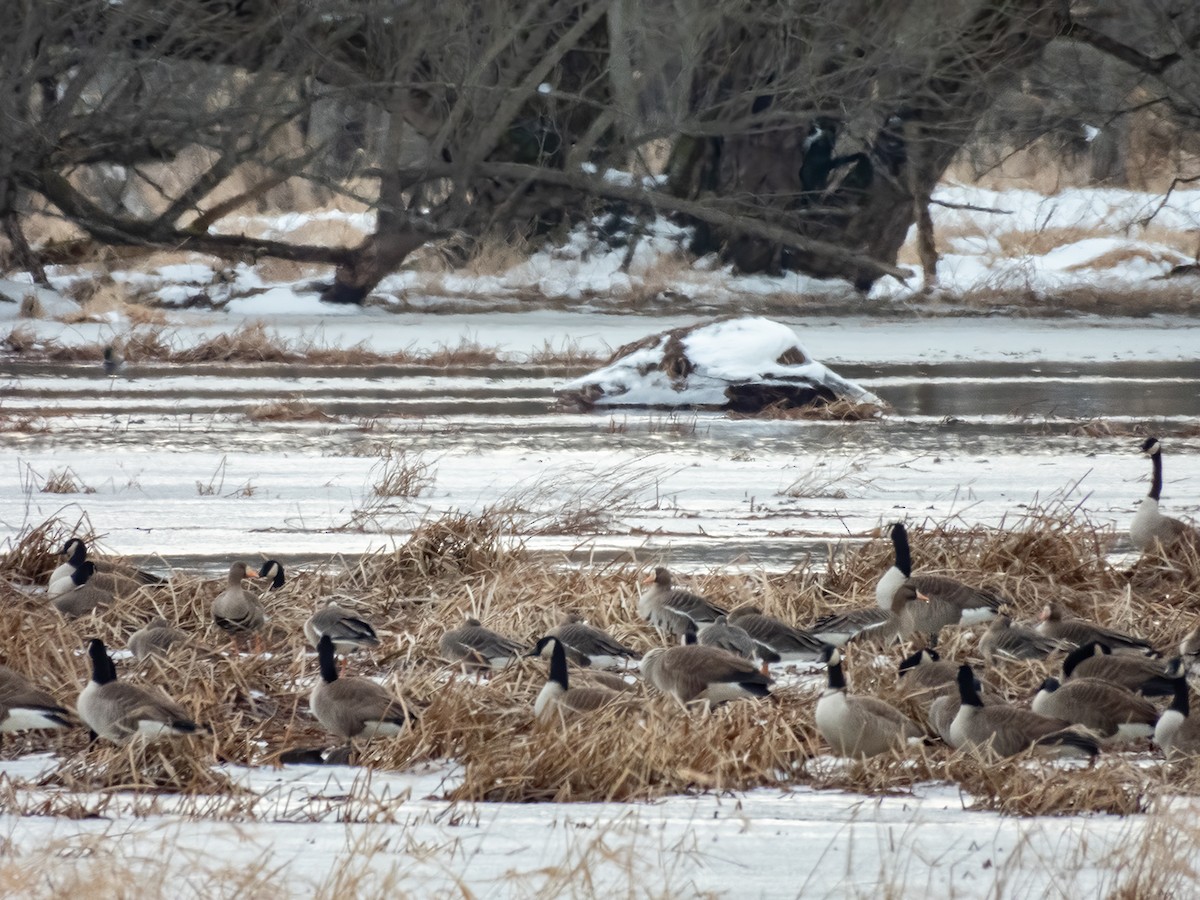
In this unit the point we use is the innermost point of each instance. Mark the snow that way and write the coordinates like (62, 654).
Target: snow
(286, 301)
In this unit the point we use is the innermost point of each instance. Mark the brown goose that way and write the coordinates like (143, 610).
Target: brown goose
(558, 699)
(1004, 640)
(695, 673)
(1113, 712)
(586, 645)
(1150, 527)
(1135, 673)
(736, 640)
(347, 631)
(119, 711)
(857, 725)
(236, 610)
(354, 707)
(865, 623)
(477, 648)
(155, 638)
(1177, 733)
(118, 578)
(927, 675)
(1189, 648)
(26, 707)
(1001, 730)
(672, 610)
(927, 614)
(776, 637)
(85, 596)
(1077, 632)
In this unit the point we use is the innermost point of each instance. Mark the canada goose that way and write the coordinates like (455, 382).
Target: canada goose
(26, 707)
(1113, 712)
(272, 569)
(558, 698)
(354, 707)
(1004, 640)
(1007, 730)
(118, 711)
(736, 640)
(106, 578)
(85, 596)
(859, 726)
(586, 645)
(1077, 632)
(696, 673)
(346, 630)
(235, 610)
(926, 674)
(671, 609)
(111, 363)
(772, 635)
(154, 638)
(478, 648)
(863, 624)
(1177, 733)
(1136, 673)
(1149, 525)
(950, 599)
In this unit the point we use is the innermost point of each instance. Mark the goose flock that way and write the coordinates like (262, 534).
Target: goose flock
(1108, 694)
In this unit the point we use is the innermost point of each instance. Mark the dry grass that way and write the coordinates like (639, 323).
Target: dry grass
(288, 409)
(842, 410)
(64, 481)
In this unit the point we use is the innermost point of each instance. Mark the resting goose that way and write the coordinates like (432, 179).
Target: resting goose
(866, 623)
(736, 640)
(558, 698)
(85, 596)
(236, 610)
(1004, 640)
(119, 711)
(347, 631)
(1135, 673)
(673, 610)
(477, 648)
(926, 673)
(155, 638)
(117, 580)
(859, 726)
(695, 673)
(272, 569)
(1177, 733)
(1077, 632)
(1149, 526)
(1189, 648)
(1001, 730)
(26, 707)
(354, 707)
(1111, 711)
(586, 645)
(776, 637)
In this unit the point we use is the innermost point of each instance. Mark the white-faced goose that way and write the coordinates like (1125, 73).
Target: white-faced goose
(695, 673)
(352, 707)
(26, 707)
(236, 610)
(586, 645)
(1135, 673)
(1177, 733)
(865, 624)
(1004, 640)
(85, 596)
(946, 700)
(951, 601)
(774, 636)
(736, 640)
(119, 711)
(1077, 632)
(118, 579)
(1001, 730)
(673, 610)
(1113, 712)
(558, 698)
(478, 649)
(347, 631)
(859, 725)
(1150, 527)
(155, 638)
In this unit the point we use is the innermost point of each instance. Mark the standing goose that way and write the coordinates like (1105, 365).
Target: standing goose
(586, 645)
(477, 648)
(85, 596)
(235, 610)
(346, 630)
(1004, 640)
(1149, 526)
(1135, 673)
(155, 638)
(354, 707)
(558, 698)
(118, 711)
(859, 726)
(736, 640)
(1177, 733)
(26, 707)
(673, 610)
(1113, 712)
(865, 623)
(695, 673)
(772, 635)
(1077, 632)
(1007, 730)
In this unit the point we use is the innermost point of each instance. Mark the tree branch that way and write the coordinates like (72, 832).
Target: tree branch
(1152, 65)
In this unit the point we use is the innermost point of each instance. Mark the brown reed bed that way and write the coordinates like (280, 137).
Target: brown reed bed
(642, 748)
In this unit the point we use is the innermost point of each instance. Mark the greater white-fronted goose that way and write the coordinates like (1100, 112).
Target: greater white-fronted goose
(696, 673)
(1150, 527)
(1076, 632)
(351, 707)
(1178, 734)
(586, 645)
(236, 610)
(1004, 640)
(859, 725)
(85, 596)
(155, 638)
(1113, 712)
(1135, 673)
(347, 631)
(119, 580)
(772, 635)
(673, 610)
(1001, 730)
(477, 648)
(26, 707)
(558, 698)
(119, 711)
(865, 624)
(736, 640)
